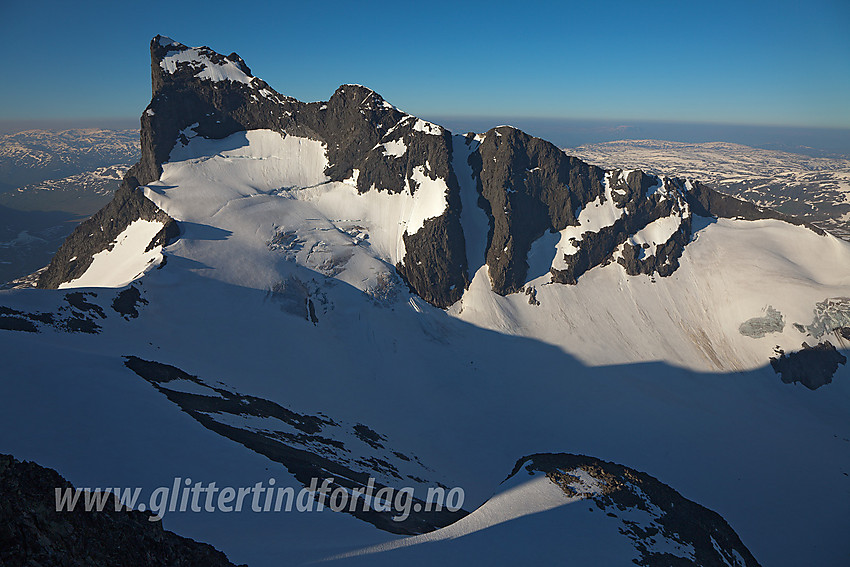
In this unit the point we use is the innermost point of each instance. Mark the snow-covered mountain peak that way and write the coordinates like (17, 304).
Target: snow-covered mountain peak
(341, 289)
(494, 199)
(202, 62)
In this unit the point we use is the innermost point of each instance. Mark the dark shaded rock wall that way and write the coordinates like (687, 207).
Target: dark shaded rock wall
(529, 186)
(98, 232)
(33, 533)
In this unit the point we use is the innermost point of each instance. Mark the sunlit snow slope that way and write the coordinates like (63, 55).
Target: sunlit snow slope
(260, 185)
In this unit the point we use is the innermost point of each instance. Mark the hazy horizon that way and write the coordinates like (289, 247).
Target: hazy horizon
(826, 142)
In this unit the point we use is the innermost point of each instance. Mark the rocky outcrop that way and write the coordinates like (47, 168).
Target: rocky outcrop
(33, 532)
(99, 232)
(665, 527)
(707, 202)
(128, 301)
(528, 186)
(811, 366)
(78, 312)
(351, 456)
(664, 261)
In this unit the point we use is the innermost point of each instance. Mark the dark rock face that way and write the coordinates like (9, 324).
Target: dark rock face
(526, 185)
(529, 186)
(359, 128)
(668, 515)
(664, 261)
(435, 266)
(32, 532)
(706, 202)
(97, 233)
(811, 366)
(597, 248)
(183, 97)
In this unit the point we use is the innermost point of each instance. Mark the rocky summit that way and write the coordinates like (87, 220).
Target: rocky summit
(526, 186)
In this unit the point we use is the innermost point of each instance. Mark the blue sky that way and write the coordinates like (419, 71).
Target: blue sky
(768, 63)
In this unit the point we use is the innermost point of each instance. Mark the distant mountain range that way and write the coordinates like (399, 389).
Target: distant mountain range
(816, 189)
(80, 194)
(37, 155)
(49, 182)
